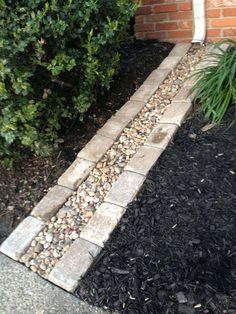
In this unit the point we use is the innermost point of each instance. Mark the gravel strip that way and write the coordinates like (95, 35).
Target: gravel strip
(65, 227)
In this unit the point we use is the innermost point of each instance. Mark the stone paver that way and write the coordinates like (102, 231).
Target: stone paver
(189, 82)
(51, 202)
(157, 77)
(161, 135)
(184, 94)
(177, 112)
(170, 62)
(144, 93)
(101, 225)
(74, 264)
(24, 292)
(114, 127)
(19, 240)
(179, 50)
(144, 159)
(76, 173)
(96, 148)
(130, 109)
(125, 188)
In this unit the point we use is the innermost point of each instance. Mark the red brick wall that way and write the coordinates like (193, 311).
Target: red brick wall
(172, 21)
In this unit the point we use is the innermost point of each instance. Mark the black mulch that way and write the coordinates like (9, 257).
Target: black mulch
(23, 186)
(175, 248)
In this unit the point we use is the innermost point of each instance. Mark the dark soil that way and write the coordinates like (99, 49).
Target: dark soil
(174, 250)
(25, 185)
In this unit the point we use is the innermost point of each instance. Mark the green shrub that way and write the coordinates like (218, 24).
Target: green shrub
(216, 84)
(55, 56)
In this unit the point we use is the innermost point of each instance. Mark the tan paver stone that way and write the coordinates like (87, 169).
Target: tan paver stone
(144, 93)
(114, 127)
(189, 82)
(130, 109)
(180, 50)
(184, 94)
(101, 225)
(76, 173)
(74, 264)
(170, 62)
(51, 202)
(144, 159)
(124, 190)
(96, 148)
(161, 135)
(157, 77)
(176, 112)
(19, 240)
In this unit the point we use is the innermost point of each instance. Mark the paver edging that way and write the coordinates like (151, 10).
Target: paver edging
(147, 90)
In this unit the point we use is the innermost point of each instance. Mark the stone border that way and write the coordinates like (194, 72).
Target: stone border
(77, 260)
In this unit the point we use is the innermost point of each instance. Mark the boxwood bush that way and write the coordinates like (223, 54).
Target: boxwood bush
(55, 56)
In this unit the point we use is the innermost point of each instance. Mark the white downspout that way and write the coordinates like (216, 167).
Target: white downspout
(199, 14)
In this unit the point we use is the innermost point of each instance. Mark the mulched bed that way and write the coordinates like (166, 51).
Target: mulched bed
(23, 187)
(174, 250)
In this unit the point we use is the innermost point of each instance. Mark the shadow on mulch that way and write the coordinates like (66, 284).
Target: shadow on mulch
(23, 187)
(174, 250)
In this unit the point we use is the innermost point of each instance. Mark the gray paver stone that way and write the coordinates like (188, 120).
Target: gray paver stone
(96, 148)
(170, 62)
(114, 127)
(184, 94)
(19, 240)
(130, 109)
(157, 77)
(101, 225)
(144, 93)
(161, 135)
(76, 173)
(51, 202)
(144, 159)
(125, 188)
(176, 112)
(190, 81)
(180, 50)
(74, 264)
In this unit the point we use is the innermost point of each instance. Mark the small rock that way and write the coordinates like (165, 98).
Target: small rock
(181, 297)
(73, 236)
(38, 248)
(26, 258)
(46, 245)
(88, 214)
(34, 262)
(33, 243)
(68, 203)
(59, 221)
(34, 268)
(43, 267)
(49, 237)
(55, 254)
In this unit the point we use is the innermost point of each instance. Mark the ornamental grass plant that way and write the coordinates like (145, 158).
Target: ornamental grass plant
(215, 85)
